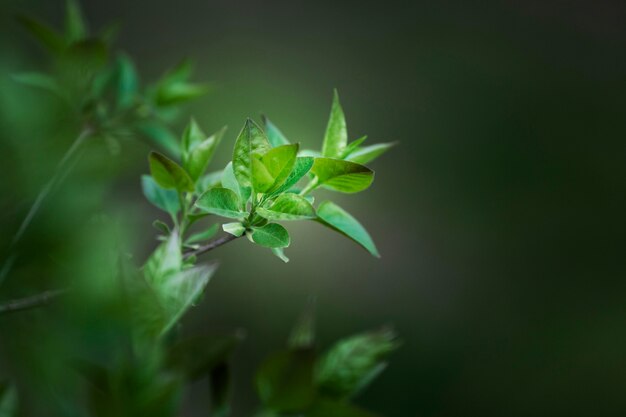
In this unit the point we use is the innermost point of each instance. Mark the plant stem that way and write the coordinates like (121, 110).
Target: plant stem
(33, 301)
(310, 187)
(210, 246)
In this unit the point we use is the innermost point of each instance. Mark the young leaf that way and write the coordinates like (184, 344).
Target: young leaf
(285, 380)
(280, 253)
(160, 135)
(251, 142)
(176, 93)
(192, 136)
(369, 153)
(288, 207)
(168, 174)
(229, 181)
(166, 200)
(352, 147)
(300, 168)
(204, 235)
(200, 154)
(221, 201)
(161, 227)
(47, 36)
(336, 137)
(127, 82)
(331, 215)
(164, 262)
(41, 80)
(235, 229)
(343, 176)
(75, 27)
(354, 362)
(272, 169)
(274, 135)
(272, 235)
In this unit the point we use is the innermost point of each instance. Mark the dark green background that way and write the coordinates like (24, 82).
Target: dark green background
(500, 216)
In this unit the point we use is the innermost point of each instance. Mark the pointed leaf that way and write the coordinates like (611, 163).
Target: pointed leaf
(272, 235)
(48, 37)
(166, 200)
(75, 27)
(221, 201)
(168, 174)
(288, 207)
(200, 154)
(369, 153)
(343, 176)
(333, 216)
(279, 163)
(353, 147)
(274, 135)
(204, 235)
(336, 137)
(251, 142)
(40, 80)
(280, 253)
(161, 136)
(300, 169)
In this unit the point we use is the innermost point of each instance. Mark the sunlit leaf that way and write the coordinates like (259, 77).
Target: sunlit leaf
(300, 169)
(369, 153)
(270, 170)
(336, 137)
(343, 176)
(199, 154)
(230, 181)
(333, 216)
(221, 201)
(353, 146)
(235, 229)
(272, 235)
(288, 207)
(250, 143)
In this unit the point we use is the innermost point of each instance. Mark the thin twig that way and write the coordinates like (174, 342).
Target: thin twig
(33, 301)
(211, 245)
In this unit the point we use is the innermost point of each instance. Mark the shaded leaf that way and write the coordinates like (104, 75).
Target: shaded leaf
(303, 333)
(48, 37)
(274, 135)
(161, 227)
(288, 207)
(325, 407)
(198, 156)
(168, 174)
(343, 176)
(221, 201)
(127, 82)
(333, 216)
(210, 180)
(40, 80)
(8, 400)
(336, 137)
(161, 136)
(166, 200)
(75, 26)
(272, 235)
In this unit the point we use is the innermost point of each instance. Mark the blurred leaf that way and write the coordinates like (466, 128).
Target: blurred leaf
(300, 169)
(161, 136)
(175, 93)
(285, 380)
(270, 170)
(75, 26)
(274, 135)
(165, 261)
(127, 82)
(310, 153)
(41, 80)
(303, 333)
(272, 235)
(47, 36)
(164, 199)
(198, 156)
(369, 153)
(204, 235)
(331, 215)
(210, 180)
(336, 137)
(168, 174)
(8, 400)
(353, 362)
(251, 142)
(221, 390)
(288, 207)
(161, 227)
(352, 147)
(221, 201)
(235, 229)
(280, 253)
(198, 355)
(343, 176)
(325, 407)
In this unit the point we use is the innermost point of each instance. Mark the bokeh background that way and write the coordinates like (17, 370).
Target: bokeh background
(500, 215)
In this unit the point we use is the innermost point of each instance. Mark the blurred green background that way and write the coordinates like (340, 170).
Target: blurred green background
(499, 217)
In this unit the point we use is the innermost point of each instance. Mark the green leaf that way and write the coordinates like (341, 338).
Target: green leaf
(272, 235)
(331, 215)
(161, 136)
(75, 26)
(166, 200)
(353, 362)
(303, 333)
(280, 253)
(369, 153)
(300, 169)
(274, 135)
(352, 147)
(343, 176)
(235, 229)
(270, 170)
(229, 181)
(221, 201)
(288, 207)
(48, 37)
(41, 80)
(204, 235)
(168, 174)
(176, 93)
(127, 82)
(324, 407)
(250, 143)
(161, 227)
(164, 262)
(198, 355)
(336, 137)
(200, 154)
(210, 180)
(8, 400)
(285, 380)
